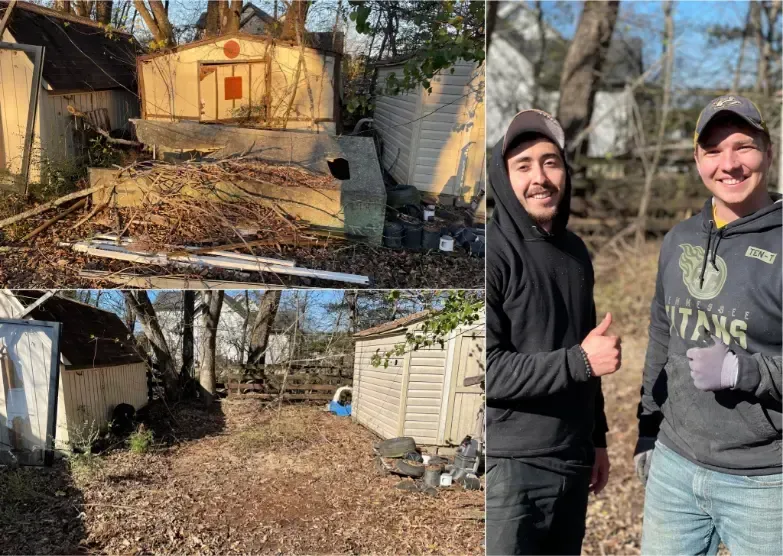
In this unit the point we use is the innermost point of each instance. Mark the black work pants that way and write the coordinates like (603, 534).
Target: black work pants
(534, 510)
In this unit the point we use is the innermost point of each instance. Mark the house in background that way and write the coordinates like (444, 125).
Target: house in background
(232, 341)
(516, 46)
(420, 393)
(84, 66)
(99, 365)
(435, 140)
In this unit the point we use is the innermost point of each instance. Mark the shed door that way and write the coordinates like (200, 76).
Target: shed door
(465, 401)
(232, 92)
(29, 370)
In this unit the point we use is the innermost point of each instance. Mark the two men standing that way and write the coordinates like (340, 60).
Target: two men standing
(711, 392)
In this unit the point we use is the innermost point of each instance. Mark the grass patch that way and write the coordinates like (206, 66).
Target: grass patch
(140, 440)
(85, 466)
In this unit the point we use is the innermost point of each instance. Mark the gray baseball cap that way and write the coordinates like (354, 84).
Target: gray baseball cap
(736, 104)
(534, 121)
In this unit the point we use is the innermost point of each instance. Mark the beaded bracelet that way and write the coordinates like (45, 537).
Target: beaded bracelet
(587, 363)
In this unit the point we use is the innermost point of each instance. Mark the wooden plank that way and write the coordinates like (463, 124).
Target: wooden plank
(288, 387)
(292, 397)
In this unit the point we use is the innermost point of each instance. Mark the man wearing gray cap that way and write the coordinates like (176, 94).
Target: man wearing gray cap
(709, 448)
(546, 429)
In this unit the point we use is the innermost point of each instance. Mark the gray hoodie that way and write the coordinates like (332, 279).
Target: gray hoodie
(729, 282)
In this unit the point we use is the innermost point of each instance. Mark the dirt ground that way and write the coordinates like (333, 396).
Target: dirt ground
(241, 479)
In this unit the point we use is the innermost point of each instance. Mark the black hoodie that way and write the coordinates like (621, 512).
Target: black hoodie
(539, 309)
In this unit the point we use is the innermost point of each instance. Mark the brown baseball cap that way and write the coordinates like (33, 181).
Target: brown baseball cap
(534, 121)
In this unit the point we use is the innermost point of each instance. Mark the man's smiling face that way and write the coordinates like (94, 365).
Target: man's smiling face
(538, 176)
(733, 160)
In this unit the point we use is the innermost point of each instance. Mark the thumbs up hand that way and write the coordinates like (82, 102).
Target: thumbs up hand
(602, 349)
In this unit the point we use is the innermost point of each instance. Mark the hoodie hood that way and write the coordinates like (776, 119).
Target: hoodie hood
(510, 216)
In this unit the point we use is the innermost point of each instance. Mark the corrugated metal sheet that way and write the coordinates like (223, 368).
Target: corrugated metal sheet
(87, 398)
(435, 140)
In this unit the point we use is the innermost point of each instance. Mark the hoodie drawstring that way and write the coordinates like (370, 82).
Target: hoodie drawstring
(706, 256)
(715, 248)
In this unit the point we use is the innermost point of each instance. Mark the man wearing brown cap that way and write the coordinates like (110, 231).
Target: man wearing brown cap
(546, 429)
(709, 449)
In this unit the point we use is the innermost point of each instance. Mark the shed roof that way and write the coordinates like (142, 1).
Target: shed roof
(90, 337)
(80, 54)
(393, 325)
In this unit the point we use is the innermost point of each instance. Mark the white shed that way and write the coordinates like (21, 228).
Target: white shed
(84, 66)
(421, 393)
(99, 367)
(242, 78)
(435, 140)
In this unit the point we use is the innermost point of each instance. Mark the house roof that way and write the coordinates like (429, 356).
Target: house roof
(80, 54)
(249, 10)
(90, 337)
(393, 325)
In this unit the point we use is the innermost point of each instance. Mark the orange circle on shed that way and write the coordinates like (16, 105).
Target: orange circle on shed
(231, 49)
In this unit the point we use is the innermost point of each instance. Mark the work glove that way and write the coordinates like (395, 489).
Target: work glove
(643, 457)
(714, 367)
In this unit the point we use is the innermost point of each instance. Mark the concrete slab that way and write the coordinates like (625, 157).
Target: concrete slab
(355, 205)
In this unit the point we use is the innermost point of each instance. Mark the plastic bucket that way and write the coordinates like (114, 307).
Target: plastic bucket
(446, 243)
(392, 234)
(412, 232)
(431, 239)
(432, 474)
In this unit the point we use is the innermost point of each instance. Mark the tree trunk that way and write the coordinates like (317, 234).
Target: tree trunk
(231, 15)
(758, 32)
(63, 6)
(492, 16)
(157, 21)
(212, 28)
(262, 325)
(245, 324)
(83, 7)
(213, 303)
(189, 309)
(583, 64)
(149, 324)
(746, 32)
(130, 316)
(103, 11)
(295, 16)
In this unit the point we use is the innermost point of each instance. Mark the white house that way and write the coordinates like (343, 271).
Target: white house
(84, 66)
(514, 48)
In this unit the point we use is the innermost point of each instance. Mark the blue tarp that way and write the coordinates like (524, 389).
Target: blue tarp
(340, 410)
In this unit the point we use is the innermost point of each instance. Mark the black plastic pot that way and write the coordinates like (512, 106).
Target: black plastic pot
(392, 234)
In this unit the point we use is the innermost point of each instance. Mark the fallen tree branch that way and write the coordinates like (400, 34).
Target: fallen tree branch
(92, 213)
(50, 205)
(76, 113)
(73, 208)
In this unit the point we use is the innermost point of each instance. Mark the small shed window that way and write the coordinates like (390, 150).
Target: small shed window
(233, 88)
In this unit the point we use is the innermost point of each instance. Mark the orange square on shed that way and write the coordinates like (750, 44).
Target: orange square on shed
(233, 87)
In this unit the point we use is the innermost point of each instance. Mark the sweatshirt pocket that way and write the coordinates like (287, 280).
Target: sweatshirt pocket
(497, 415)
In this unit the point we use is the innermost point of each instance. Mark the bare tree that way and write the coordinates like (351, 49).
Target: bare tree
(103, 10)
(189, 309)
(142, 307)
(83, 7)
(156, 18)
(223, 17)
(262, 325)
(213, 303)
(63, 6)
(583, 63)
(295, 17)
(651, 168)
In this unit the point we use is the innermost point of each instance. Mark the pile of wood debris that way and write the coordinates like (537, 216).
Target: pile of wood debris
(203, 238)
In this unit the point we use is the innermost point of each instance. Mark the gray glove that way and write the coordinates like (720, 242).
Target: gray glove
(643, 457)
(714, 367)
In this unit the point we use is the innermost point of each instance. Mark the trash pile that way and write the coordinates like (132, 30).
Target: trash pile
(413, 225)
(400, 456)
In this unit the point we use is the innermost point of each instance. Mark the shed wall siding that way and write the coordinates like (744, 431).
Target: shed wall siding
(394, 117)
(88, 396)
(377, 390)
(425, 395)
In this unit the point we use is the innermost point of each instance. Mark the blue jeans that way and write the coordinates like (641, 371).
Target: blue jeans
(689, 509)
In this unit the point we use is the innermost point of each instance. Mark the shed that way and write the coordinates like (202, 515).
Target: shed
(84, 65)
(99, 367)
(242, 78)
(420, 393)
(435, 140)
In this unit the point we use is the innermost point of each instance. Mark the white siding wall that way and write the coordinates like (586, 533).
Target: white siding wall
(87, 397)
(377, 390)
(394, 117)
(16, 72)
(435, 140)
(424, 401)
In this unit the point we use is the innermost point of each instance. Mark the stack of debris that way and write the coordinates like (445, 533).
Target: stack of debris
(424, 472)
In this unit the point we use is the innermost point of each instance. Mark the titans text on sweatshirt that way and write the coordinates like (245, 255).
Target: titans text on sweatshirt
(727, 282)
(540, 401)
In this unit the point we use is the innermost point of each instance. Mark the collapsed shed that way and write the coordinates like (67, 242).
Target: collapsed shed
(84, 65)
(242, 78)
(434, 139)
(99, 367)
(421, 393)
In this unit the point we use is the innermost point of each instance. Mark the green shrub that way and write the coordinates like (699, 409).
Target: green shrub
(140, 440)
